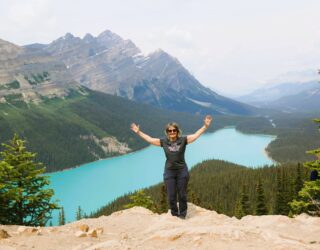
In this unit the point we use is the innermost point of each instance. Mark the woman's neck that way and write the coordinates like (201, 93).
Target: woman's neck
(173, 139)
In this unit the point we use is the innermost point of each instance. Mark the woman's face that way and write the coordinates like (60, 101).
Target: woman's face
(172, 133)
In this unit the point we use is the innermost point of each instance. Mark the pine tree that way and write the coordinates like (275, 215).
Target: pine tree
(62, 218)
(244, 201)
(193, 197)
(279, 193)
(24, 197)
(308, 200)
(8, 192)
(79, 214)
(261, 208)
(238, 212)
(163, 207)
(281, 206)
(298, 184)
(140, 198)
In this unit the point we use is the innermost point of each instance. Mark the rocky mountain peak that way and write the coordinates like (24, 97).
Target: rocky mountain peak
(109, 38)
(8, 50)
(107, 33)
(130, 48)
(68, 36)
(88, 38)
(67, 40)
(160, 54)
(129, 44)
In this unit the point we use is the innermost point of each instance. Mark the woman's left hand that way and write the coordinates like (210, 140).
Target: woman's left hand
(207, 120)
(135, 128)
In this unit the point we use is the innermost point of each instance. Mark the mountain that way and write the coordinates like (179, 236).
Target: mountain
(287, 97)
(31, 74)
(305, 101)
(169, 85)
(266, 95)
(113, 65)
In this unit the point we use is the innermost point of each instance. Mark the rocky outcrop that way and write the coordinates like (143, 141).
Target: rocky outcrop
(139, 228)
(109, 145)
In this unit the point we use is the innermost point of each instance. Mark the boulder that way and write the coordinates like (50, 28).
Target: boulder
(84, 228)
(93, 233)
(4, 234)
(80, 234)
(99, 230)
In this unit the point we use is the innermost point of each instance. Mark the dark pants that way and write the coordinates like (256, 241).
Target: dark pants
(176, 182)
(314, 175)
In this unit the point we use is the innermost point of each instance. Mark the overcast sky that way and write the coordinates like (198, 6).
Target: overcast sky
(230, 46)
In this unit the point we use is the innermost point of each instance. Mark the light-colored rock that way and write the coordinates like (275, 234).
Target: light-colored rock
(7, 248)
(108, 144)
(100, 230)
(53, 229)
(80, 234)
(4, 234)
(124, 236)
(39, 231)
(93, 233)
(27, 230)
(84, 228)
(139, 228)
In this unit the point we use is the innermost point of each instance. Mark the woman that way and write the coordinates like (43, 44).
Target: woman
(176, 175)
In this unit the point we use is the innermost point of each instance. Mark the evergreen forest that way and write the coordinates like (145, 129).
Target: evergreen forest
(231, 189)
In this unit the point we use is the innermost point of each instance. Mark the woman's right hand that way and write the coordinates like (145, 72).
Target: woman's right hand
(135, 128)
(207, 121)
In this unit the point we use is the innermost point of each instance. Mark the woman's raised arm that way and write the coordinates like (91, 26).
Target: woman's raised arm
(207, 121)
(154, 141)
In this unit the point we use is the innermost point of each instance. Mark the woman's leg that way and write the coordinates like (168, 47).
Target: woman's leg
(314, 175)
(170, 181)
(182, 184)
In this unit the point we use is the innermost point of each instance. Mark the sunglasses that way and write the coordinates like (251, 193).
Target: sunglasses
(171, 130)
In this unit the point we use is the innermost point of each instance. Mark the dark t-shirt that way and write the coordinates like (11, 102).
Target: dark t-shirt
(174, 152)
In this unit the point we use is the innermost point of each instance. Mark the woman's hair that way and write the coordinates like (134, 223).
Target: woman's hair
(176, 126)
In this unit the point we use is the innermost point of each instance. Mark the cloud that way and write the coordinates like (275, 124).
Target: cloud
(232, 45)
(28, 20)
(179, 37)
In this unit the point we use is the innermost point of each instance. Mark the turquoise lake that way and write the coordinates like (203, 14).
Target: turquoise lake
(95, 184)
